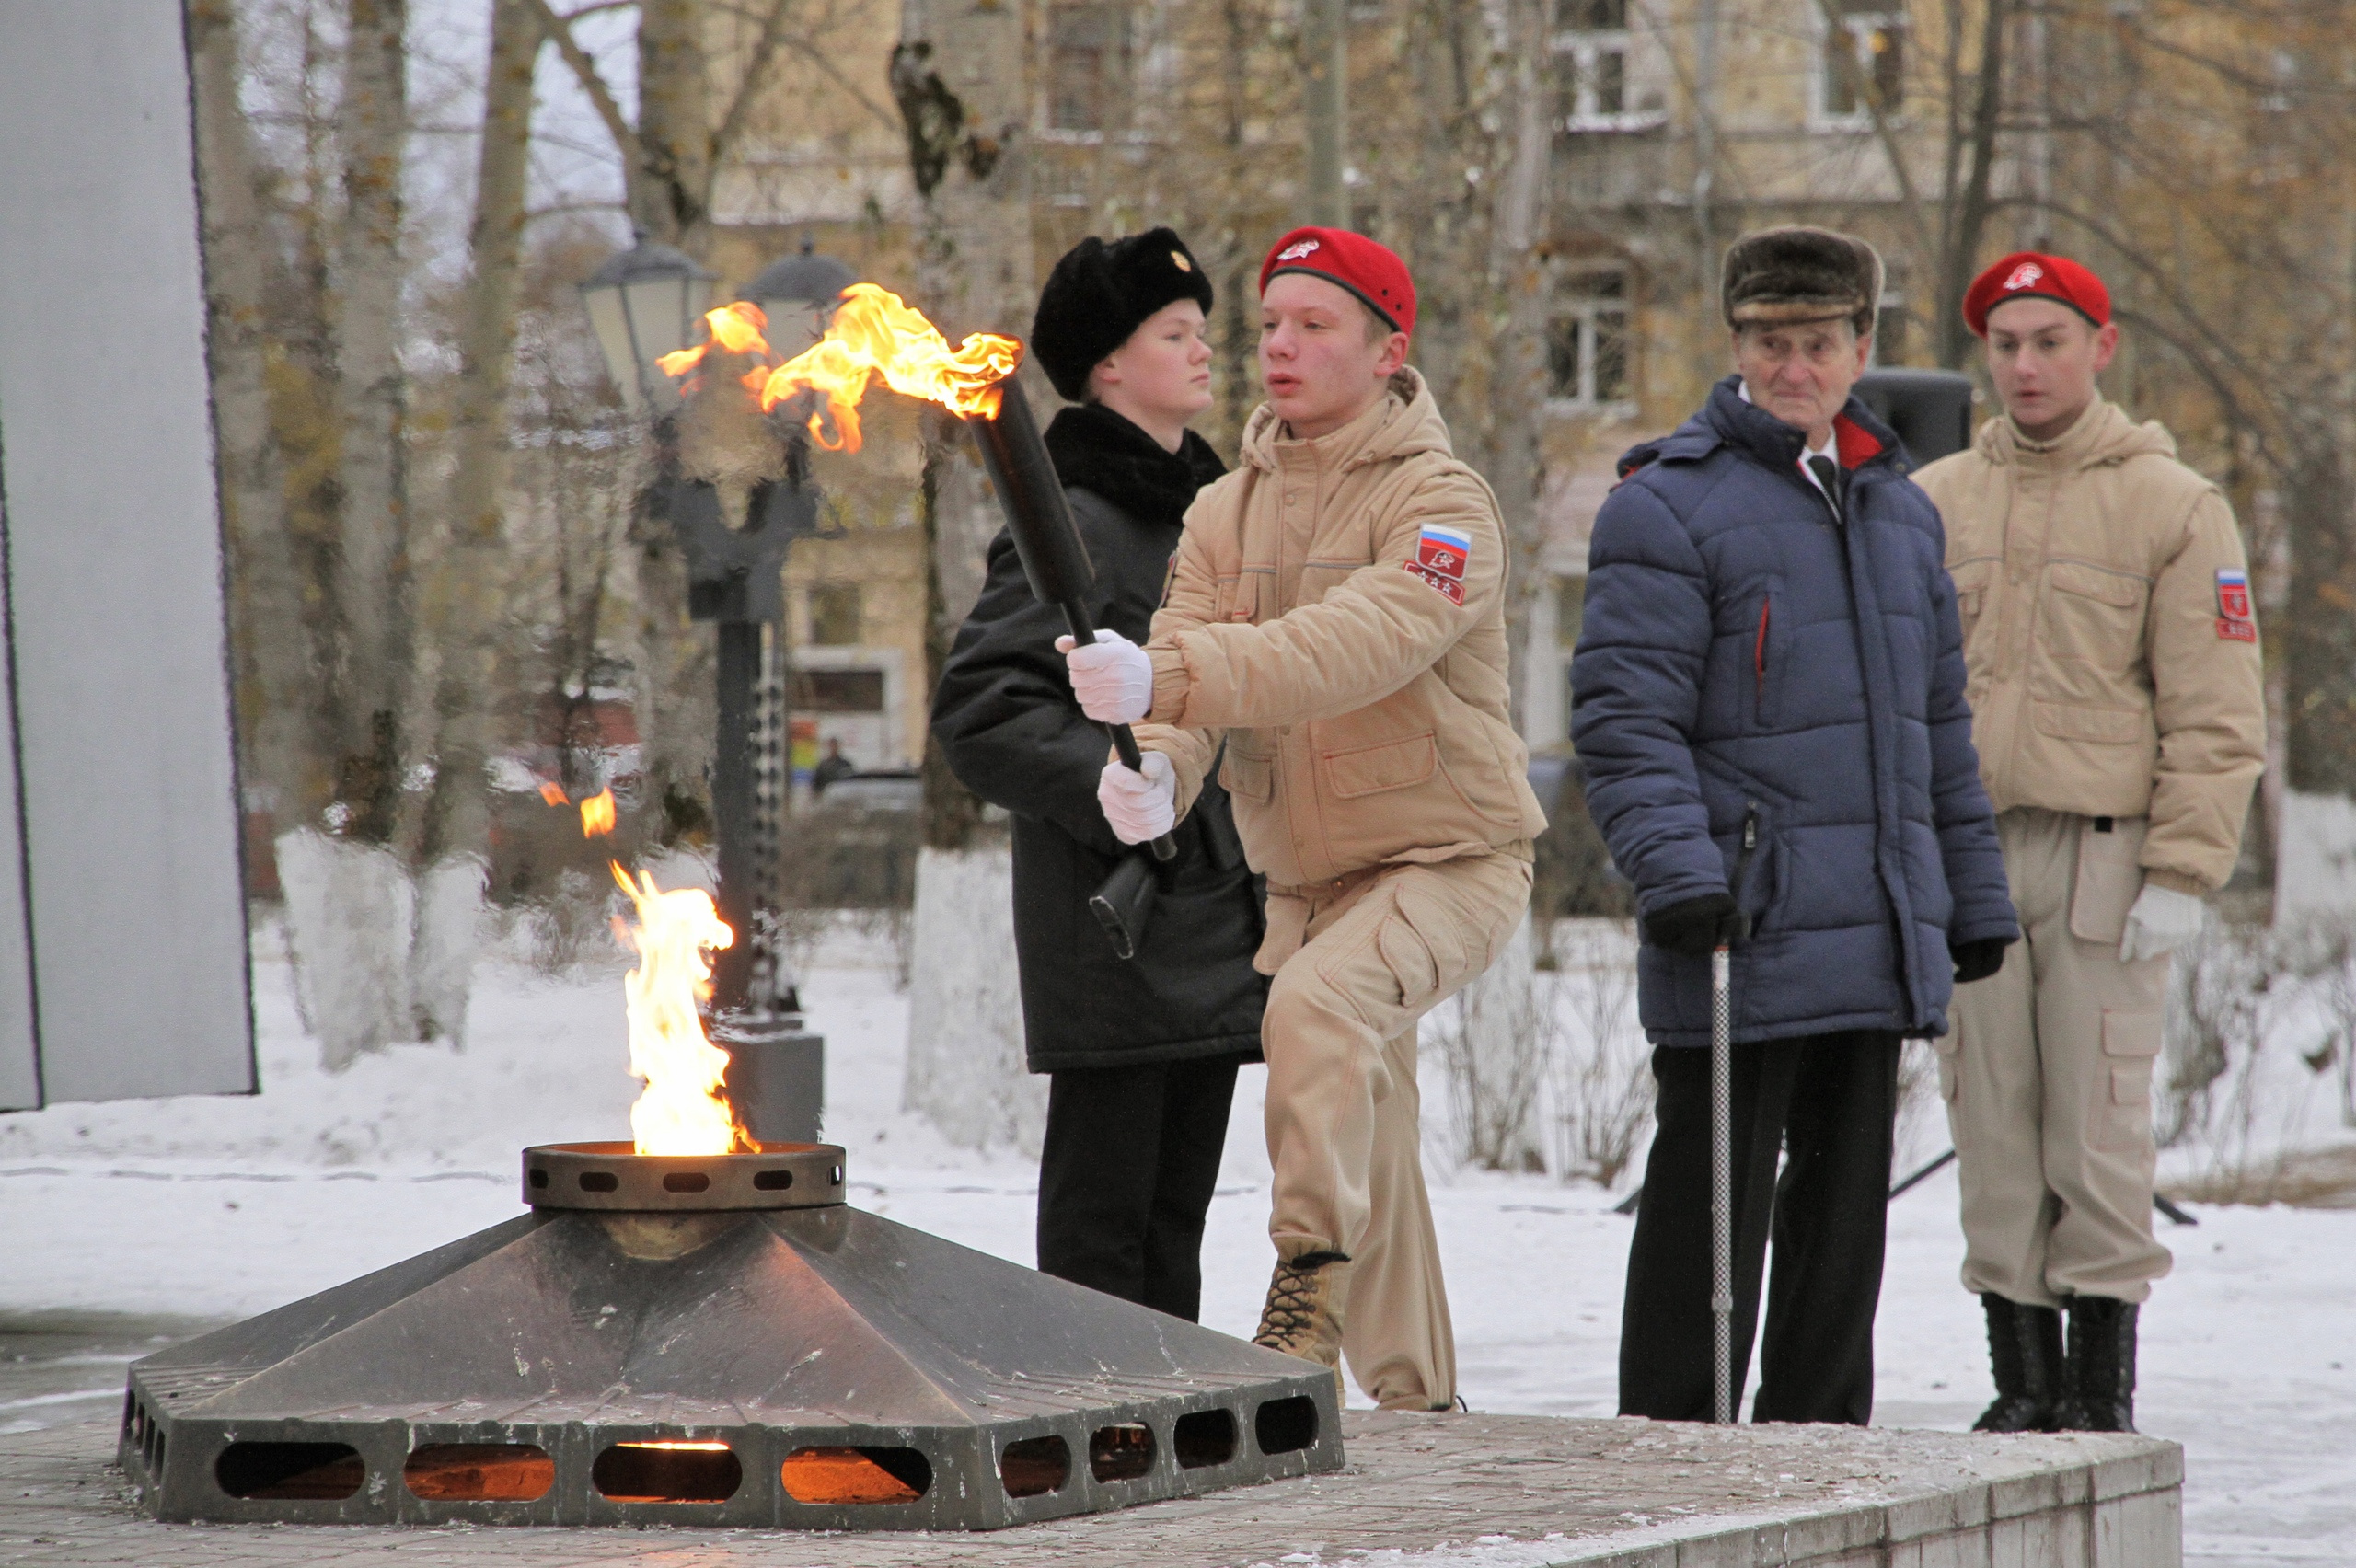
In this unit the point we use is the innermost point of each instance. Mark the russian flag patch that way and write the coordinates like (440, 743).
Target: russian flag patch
(2235, 621)
(1441, 556)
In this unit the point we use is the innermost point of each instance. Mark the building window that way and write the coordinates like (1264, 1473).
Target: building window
(834, 615)
(1087, 56)
(1592, 89)
(1587, 339)
(1864, 61)
(837, 691)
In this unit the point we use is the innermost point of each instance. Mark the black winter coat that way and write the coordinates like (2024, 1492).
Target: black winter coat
(1015, 736)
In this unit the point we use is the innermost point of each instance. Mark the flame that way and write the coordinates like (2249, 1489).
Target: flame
(736, 327)
(684, 1109)
(598, 814)
(875, 333)
(668, 1446)
(553, 794)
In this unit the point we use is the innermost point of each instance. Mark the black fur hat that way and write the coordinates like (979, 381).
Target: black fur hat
(1780, 277)
(1099, 294)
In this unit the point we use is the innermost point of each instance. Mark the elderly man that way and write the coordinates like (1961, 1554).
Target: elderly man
(2122, 725)
(1769, 705)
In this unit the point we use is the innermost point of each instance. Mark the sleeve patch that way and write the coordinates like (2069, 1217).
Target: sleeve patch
(2233, 594)
(2232, 631)
(1444, 552)
(1448, 588)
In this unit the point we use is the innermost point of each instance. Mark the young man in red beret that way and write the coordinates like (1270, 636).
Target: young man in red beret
(1335, 630)
(2112, 648)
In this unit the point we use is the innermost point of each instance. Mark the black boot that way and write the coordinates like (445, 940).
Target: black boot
(2102, 1366)
(2024, 1352)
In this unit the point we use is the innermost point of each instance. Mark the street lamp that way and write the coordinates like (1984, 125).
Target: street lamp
(799, 293)
(644, 302)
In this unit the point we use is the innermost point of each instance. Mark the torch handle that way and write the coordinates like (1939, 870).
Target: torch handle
(1039, 520)
(1125, 740)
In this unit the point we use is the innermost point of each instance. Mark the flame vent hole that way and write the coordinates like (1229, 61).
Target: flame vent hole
(686, 1181)
(1205, 1438)
(600, 1182)
(481, 1473)
(772, 1181)
(539, 1178)
(320, 1472)
(667, 1472)
(1035, 1467)
(1120, 1453)
(1285, 1425)
(856, 1475)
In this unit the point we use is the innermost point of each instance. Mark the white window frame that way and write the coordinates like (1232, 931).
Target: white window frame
(1861, 28)
(1579, 51)
(1567, 302)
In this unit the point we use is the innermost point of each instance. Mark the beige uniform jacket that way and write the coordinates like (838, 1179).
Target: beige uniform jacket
(2112, 648)
(1336, 614)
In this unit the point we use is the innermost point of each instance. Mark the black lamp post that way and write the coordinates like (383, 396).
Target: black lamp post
(646, 302)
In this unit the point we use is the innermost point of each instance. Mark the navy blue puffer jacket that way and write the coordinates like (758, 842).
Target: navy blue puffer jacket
(1768, 700)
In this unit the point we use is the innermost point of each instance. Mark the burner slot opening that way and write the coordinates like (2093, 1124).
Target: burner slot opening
(857, 1475)
(1120, 1453)
(600, 1182)
(1285, 1426)
(772, 1181)
(1035, 1467)
(1204, 1438)
(480, 1472)
(667, 1471)
(318, 1472)
(686, 1182)
(539, 1178)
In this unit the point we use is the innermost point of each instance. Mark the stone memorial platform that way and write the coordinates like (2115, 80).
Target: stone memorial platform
(1479, 1491)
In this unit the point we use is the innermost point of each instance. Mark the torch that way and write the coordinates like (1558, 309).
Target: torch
(1054, 558)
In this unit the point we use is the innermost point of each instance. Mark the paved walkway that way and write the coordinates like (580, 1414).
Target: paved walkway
(1519, 1491)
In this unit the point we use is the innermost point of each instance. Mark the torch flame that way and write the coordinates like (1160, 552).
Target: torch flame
(875, 333)
(598, 814)
(553, 794)
(736, 327)
(684, 1109)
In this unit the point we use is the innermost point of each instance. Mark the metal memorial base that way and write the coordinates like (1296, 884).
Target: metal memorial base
(709, 1342)
(777, 1075)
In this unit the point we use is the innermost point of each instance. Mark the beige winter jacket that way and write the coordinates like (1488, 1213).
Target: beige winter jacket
(1336, 614)
(2107, 624)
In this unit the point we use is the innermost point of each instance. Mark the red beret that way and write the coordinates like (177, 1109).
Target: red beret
(2029, 274)
(1368, 268)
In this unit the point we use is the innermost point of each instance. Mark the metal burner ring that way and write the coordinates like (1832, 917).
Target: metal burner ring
(612, 1176)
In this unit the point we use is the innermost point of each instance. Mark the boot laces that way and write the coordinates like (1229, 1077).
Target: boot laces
(1291, 1311)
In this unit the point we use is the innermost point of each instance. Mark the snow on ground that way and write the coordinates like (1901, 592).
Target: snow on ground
(210, 1208)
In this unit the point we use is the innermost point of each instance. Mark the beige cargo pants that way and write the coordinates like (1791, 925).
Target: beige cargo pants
(2047, 1076)
(1356, 961)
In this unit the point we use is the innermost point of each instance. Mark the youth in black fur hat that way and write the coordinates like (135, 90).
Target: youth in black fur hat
(1099, 294)
(1782, 277)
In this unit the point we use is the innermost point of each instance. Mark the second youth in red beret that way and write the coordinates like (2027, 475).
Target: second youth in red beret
(2032, 274)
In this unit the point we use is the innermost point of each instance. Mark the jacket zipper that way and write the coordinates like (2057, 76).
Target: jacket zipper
(1758, 661)
(1742, 865)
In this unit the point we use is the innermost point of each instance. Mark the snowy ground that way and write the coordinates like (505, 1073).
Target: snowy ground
(207, 1209)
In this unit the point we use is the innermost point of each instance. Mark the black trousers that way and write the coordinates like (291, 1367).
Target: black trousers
(1829, 1103)
(1125, 1178)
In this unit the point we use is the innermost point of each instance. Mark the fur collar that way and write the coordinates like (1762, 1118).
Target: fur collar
(1095, 449)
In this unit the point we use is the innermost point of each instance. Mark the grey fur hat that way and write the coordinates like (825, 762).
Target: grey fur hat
(1781, 277)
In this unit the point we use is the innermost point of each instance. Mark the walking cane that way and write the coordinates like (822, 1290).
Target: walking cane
(1722, 1175)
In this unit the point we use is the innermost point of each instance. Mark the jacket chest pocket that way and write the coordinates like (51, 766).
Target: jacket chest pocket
(1240, 598)
(1972, 581)
(2093, 615)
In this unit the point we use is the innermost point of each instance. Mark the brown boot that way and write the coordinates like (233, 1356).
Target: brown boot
(1303, 1315)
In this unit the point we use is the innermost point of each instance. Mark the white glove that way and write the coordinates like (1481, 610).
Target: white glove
(2162, 921)
(1113, 680)
(1139, 805)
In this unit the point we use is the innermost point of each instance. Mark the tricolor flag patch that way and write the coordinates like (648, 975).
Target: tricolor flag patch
(1441, 556)
(2235, 621)
(2233, 594)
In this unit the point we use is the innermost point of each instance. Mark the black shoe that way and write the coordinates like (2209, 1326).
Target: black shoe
(2024, 1352)
(2102, 1366)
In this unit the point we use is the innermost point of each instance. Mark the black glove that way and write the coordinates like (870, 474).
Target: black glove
(1695, 925)
(1977, 961)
